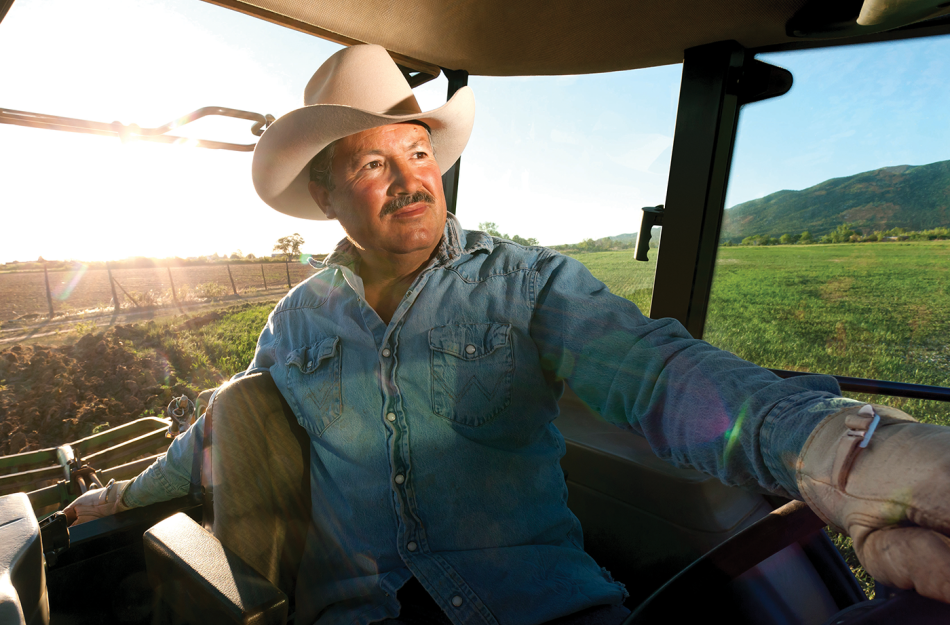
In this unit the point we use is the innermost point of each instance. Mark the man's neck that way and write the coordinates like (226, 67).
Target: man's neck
(387, 277)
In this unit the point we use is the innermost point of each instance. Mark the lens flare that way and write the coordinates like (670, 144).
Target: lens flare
(72, 279)
(732, 435)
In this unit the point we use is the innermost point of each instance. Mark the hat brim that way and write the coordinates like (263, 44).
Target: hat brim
(280, 168)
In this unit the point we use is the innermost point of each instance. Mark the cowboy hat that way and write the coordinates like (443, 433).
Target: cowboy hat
(356, 89)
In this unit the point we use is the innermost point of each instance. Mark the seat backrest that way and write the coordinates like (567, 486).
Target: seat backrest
(257, 465)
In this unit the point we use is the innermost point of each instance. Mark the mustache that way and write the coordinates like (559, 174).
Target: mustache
(403, 201)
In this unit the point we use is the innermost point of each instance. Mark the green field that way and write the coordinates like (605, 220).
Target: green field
(873, 310)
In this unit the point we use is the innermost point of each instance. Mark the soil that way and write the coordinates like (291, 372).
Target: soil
(51, 395)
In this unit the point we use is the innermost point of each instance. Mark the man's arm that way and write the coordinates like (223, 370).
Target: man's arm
(170, 475)
(698, 406)
(166, 478)
(868, 469)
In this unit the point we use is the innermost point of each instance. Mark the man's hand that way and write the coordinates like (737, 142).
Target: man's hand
(97, 503)
(892, 496)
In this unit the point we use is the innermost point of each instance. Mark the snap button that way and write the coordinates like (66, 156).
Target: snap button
(399, 479)
(386, 352)
(309, 364)
(469, 349)
(391, 416)
(411, 546)
(457, 601)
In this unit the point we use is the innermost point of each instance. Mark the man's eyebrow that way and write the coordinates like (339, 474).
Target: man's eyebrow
(412, 146)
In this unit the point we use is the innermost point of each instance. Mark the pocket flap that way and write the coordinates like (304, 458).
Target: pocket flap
(469, 341)
(307, 359)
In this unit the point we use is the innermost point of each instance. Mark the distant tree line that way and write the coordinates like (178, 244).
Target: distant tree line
(845, 233)
(490, 227)
(604, 244)
(289, 248)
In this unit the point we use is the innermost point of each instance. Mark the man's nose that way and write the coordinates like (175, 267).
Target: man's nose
(405, 179)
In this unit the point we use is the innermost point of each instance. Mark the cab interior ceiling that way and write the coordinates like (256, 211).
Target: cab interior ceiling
(555, 37)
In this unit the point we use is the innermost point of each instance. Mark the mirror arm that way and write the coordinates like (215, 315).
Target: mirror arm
(127, 132)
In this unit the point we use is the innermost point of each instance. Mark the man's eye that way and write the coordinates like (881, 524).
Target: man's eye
(372, 165)
(421, 154)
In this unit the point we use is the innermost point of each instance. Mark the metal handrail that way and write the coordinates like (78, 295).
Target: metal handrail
(33, 478)
(127, 132)
(880, 387)
(43, 458)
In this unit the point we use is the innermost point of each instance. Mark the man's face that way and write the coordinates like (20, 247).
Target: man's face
(387, 190)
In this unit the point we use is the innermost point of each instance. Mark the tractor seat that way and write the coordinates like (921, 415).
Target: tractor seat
(255, 479)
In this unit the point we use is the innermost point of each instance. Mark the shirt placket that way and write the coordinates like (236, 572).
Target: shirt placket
(412, 546)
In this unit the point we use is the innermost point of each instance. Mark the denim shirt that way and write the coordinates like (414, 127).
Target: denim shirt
(433, 449)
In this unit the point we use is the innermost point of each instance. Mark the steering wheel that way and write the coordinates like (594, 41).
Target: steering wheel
(700, 593)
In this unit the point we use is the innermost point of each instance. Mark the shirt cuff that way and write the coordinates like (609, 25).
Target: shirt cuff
(786, 428)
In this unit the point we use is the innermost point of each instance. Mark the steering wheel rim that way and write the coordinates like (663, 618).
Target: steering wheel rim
(700, 590)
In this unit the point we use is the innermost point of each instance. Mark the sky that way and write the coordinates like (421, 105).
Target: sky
(559, 159)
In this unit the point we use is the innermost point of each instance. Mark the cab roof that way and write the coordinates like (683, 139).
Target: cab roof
(548, 37)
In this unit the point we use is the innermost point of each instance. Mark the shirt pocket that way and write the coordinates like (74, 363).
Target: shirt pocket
(471, 371)
(313, 379)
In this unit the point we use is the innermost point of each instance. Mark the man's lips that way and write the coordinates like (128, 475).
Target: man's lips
(408, 205)
(410, 211)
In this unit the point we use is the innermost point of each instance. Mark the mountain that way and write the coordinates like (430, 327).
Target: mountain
(906, 196)
(630, 237)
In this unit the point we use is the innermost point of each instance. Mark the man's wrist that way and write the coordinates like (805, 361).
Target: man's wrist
(786, 428)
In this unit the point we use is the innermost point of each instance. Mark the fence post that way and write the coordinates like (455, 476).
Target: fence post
(115, 297)
(263, 277)
(233, 288)
(287, 267)
(49, 295)
(174, 295)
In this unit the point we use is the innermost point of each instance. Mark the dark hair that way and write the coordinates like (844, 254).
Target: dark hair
(320, 167)
(322, 164)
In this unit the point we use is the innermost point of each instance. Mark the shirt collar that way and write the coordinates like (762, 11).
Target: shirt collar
(455, 242)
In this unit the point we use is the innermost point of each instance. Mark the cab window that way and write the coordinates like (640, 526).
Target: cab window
(568, 161)
(836, 239)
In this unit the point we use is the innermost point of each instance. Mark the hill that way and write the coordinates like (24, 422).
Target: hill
(905, 196)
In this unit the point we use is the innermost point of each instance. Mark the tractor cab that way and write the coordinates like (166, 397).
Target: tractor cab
(685, 545)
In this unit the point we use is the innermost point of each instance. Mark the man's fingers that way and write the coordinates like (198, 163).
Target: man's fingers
(71, 514)
(908, 557)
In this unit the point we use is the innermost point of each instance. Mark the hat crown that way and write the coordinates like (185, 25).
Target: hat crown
(363, 77)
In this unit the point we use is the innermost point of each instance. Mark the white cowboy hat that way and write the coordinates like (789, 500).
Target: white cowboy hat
(356, 89)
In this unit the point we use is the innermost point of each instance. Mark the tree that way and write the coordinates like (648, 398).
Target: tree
(785, 239)
(290, 245)
(806, 238)
(841, 234)
(524, 241)
(490, 227)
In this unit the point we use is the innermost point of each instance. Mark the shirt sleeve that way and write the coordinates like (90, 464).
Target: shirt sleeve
(698, 406)
(170, 475)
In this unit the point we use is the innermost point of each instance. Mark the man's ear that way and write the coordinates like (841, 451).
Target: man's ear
(321, 196)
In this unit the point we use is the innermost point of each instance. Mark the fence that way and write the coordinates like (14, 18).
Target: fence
(49, 293)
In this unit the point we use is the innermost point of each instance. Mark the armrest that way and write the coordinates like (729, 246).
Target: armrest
(203, 581)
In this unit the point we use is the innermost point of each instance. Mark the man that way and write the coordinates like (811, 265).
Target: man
(425, 363)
